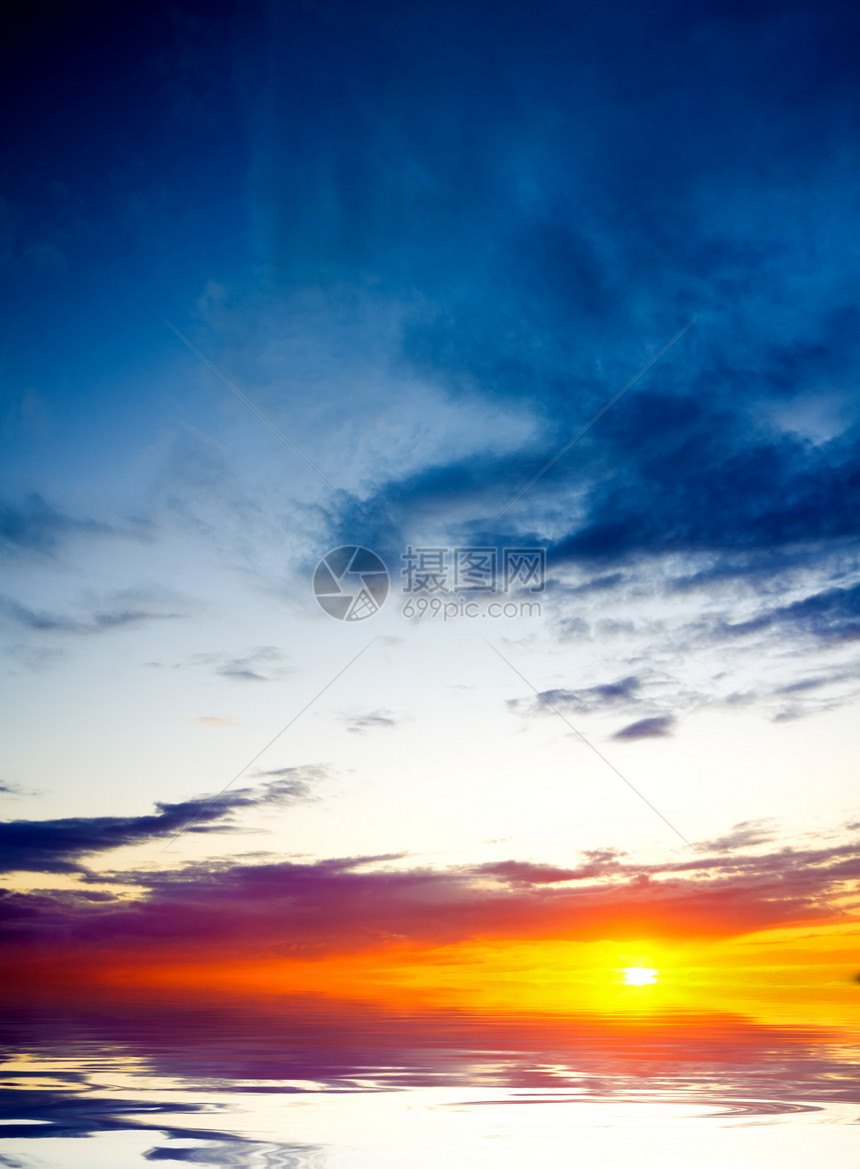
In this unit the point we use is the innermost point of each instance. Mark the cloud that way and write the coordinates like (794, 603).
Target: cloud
(333, 907)
(545, 196)
(597, 863)
(286, 784)
(378, 719)
(35, 525)
(257, 664)
(583, 701)
(832, 616)
(747, 834)
(739, 620)
(659, 727)
(242, 673)
(493, 207)
(57, 846)
(625, 694)
(538, 271)
(276, 907)
(101, 621)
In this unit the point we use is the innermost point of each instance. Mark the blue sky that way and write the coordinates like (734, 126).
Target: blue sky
(429, 243)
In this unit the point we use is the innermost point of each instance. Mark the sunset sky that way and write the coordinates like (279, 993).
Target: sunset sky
(286, 277)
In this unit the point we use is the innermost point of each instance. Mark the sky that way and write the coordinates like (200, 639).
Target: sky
(579, 280)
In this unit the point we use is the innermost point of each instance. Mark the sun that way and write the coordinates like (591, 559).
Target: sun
(639, 975)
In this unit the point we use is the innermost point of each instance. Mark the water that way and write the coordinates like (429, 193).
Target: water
(317, 1084)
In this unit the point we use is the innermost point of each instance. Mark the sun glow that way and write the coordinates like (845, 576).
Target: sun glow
(787, 974)
(639, 975)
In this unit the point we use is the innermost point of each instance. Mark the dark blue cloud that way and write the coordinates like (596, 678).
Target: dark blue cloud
(540, 195)
(624, 692)
(830, 616)
(551, 192)
(658, 727)
(57, 846)
(558, 192)
(35, 525)
(827, 618)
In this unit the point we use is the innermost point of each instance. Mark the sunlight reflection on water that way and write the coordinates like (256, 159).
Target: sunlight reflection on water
(307, 1085)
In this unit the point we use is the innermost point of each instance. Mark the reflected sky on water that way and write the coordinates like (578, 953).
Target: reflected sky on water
(316, 1085)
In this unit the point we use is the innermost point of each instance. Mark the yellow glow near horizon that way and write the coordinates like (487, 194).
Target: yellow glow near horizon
(639, 975)
(791, 974)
